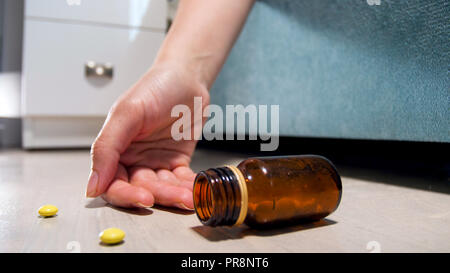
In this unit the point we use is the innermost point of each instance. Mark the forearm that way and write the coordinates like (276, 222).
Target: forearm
(202, 35)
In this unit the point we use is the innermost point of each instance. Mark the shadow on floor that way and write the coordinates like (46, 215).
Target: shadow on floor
(173, 210)
(112, 245)
(215, 234)
(390, 176)
(100, 203)
(419, 165)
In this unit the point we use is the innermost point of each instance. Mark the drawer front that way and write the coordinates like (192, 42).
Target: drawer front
(135, 13)
(54, 66)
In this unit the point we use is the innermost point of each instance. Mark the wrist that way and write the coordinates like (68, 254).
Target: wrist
(196, 66)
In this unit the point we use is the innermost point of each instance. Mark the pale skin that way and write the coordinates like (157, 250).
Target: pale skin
(134, 160)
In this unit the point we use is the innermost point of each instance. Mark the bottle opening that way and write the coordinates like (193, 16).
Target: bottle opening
(218, 197)
(203, 198)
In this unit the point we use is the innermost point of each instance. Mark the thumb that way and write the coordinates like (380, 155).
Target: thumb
(121, 126)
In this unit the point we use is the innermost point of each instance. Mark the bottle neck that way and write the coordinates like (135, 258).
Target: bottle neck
(220, 196)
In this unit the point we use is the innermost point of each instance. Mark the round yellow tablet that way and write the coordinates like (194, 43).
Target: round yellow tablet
(112, 236)
(48, 210)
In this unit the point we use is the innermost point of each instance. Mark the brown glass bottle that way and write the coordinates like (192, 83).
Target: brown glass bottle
(268, 191)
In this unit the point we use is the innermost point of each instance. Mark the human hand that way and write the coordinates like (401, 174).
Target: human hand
(135, 160)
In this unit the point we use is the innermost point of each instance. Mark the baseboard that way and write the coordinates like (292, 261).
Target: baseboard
(60, 132)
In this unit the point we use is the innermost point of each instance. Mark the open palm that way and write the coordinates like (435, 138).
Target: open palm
(135, 160)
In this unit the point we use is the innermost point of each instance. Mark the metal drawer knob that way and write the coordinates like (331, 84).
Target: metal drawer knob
(93, 69)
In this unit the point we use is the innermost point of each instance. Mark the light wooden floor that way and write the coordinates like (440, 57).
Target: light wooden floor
(373, 216)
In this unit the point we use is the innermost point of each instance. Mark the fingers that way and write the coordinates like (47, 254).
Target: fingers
(121, 126)
(151, 158)
(168, 177)
(123, 194)
(186, 176)
(165, 187)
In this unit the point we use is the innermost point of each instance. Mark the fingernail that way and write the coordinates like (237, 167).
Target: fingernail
(144, 206)
(183, 206)
(92, 184)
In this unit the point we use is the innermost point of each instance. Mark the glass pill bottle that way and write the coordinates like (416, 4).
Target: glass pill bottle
(268, 191)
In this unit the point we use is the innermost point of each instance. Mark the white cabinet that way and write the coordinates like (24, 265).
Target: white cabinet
(56, 58)
(77, 59)
(151, 14)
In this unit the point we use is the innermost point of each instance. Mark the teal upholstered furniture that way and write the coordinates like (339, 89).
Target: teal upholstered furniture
(345, 69)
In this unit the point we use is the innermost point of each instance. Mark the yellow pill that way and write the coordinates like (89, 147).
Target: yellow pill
(48, 210)
(112, 236)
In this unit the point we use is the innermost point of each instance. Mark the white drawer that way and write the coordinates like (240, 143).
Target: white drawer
(135, 13)
(54, 66)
